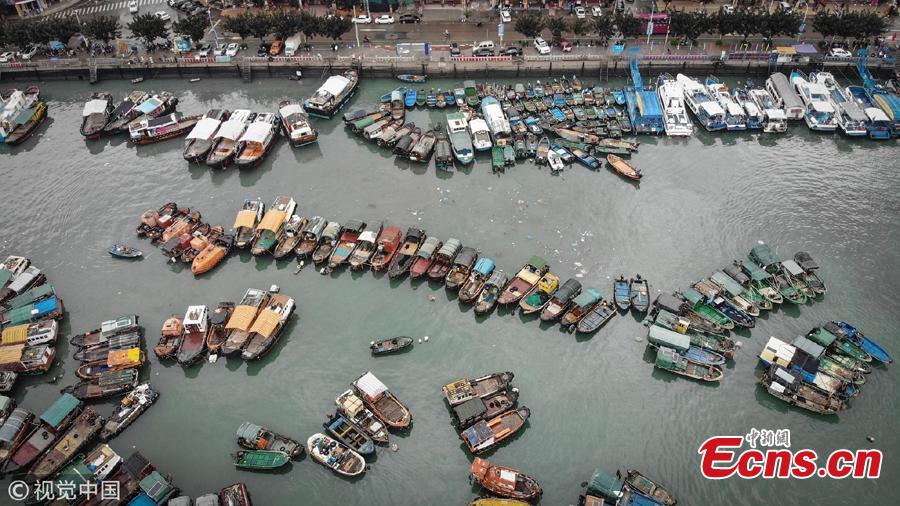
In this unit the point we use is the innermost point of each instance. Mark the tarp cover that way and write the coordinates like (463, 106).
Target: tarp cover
(30, 296)
(604, 485)
(245, 218)
(13, 424)
(94, 107)
(149, 105)
(14, 335)
(204, 129)
(469, 409)
(257, 132)
(231, 129)
(334, 85)
(241, 318)
(248, 431)
(60, 409)
(450, 247)
(668, 338)
(266, 323)
(371, 386)
(428, 247)
(484, 266)
(124, 357)
(808, 346)
(587, 297)
(272, 221)
(290, 109)
(792, 267)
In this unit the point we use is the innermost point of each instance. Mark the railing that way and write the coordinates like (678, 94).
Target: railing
(566, 57)
(480, 58)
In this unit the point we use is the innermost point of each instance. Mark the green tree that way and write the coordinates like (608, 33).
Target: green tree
(748, 23)
(725, 23)
(347, 5)
(579, 27)
(557, 26)
(285, 23)
(239, 24)
(335, 28)
(628, 25)
(689, 25)
(310, 24)
(871, 25)
(260, 25)
(530, 25)
(61, 29)
(148, 28)
(19, 33)
(604, 27)
(103, 28)
(825, 23)
(194, 27)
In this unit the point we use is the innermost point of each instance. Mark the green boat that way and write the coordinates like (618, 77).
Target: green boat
(792, 271)
(765, 258)
(612, 150)
(509, 155)
(668, 360)
(787, 290)
(671, 321)
(31, 296)
(832, 368)
(420, 97)
(269, 228)
(761, 282)
(572, 144)
(705, 311)
(850, 363)
(733, 290)
(826, 339)
(497, 160)
(471, 94)
(260, 459)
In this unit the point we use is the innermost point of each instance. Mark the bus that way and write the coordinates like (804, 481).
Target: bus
(660, 22)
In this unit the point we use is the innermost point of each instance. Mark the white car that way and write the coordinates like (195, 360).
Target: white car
(384, 19)
(163, 15)
(505, 16)
(541, 45)
(364, 19)
(133, 6)
(232, 49)
(839, 52)
(28, 53)
(7, 57)
(596, 11)
(580, 13)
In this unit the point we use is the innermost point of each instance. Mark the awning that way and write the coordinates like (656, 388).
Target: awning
(245, 218)
(805, 48)
(257, 132)
(94, 107)
(149, 105)
(291, 109)
(204, 129)
(369, 385)
(335, 85)
(272, 221)
(241, 318)
(124, 357)
(266, 323)
(231, 130)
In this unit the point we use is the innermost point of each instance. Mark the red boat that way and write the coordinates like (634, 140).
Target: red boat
(424, 257)
(388, 242)
(505, 481)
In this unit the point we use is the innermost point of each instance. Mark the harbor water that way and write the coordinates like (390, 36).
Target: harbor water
(596, 401)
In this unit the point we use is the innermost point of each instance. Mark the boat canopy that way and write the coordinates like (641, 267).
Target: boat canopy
(666, 358)
(485, 266)
(231, 129)
(354, 226)
(257, 132)
(568, 289)
(30, 296)
(5, 403)
(124, 357)
(725, 281)
(13, 425)
(204, 129)
(248, 431)
(334, 85)
(272, 221)
(604, 485)
(60, 409)
(368, 236)
(549, 283)
(802, 343)
(466, 256)
(332, 230)
(756, 272)
(428, 247)
(291, 109)
(668, 338)
(821, 337)
(793, 268)
(450, 247)
(537, 262)
(15, 335)
(875, 114)
(712, 109)
(156, 487)
(370, 386)
(469, 409)
(764, 254)
(245, 218)
(498, 278)
(266, 323)
(778, 352)
(587, 298)
(149, 105)
(241, 318)
(456, 122)
(96, 106)
(11, 354)
(692, 296)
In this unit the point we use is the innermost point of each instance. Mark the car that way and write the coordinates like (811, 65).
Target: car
(596, 11)
(232, 49)
(410, 18)
(7, 57)
(483, 52)
(580, 13)
(728, 9)
(277, 48)
(565, 46)
(510, 51)
(204, 50)
(505, 16)
(264, 49)
(171, 2)
(363, 19)
(133, 6)
(163, 15)
(541, 45)
(28, 53)
(384, 19)
(454, 49)
(839, 52)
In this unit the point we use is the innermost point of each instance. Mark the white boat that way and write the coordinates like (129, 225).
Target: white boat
(200, 139)
(257, 140)
(850, 117)
(457, 129)
(295, 123)
(226, 139)
(775, 119)
(496, 120)
(707, 111)
(332, 95)
(555, 161)
(481, 135)
(819, 114)
(671, 96)
(755, 117)
(735, 117)
(785, 97)
(12, 108)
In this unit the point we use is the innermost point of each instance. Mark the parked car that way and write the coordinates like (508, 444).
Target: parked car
(28, 53)
(133, 6)
(580, 13)
(505, 16)
(565, 46)
(171, 2)
(410, 18)
(263, 49)
(541, 45)
(7, 57)
(596, 11)
(363, 19)
(277, 48)
(384, 19)
(510, 51)
(220, 50)
(839, 52)
(483, 51)
(454, 49)
(163, 15)
(232, 49)
(204, 50)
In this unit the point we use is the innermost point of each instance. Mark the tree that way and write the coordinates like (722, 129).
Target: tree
(19, 33)
(781, 23)
(334, 28)
(725, 23)
(628, 25)
(310, 24)
(148, 28)
(605, 27)
(530, 25)
(61, 29)
(194, 27)
(285, 23)
(579, 27)
(871, 25)
(690, 25)
(239, 24)
(103, 28)
(826, 24)
(557, 26)
(748, 23)
(347, 5)
(260, 25)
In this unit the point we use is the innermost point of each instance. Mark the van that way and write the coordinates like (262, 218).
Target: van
(292, 44)
(485, 44)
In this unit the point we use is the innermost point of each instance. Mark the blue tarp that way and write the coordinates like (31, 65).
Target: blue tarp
(56, 45)
(484, 266)
(46, 306)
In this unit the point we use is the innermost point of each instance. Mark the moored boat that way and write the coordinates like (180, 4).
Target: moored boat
(116, 360)
(476, 279)
(524, 281)
(462, 390)
(391, 345)
(355, 410)
(639, 294)
(335, 456)
(225, 143)
(784, 385)
(289, 237)
(161, 128)
(490, 293)
(170, 338)
(623, 167)
(268, 326)
(424, 257)
(83, 430)
(559, 302)
(296, 125)
(271, 225)
(256, 437)
(481, 136)
(347, 433)
(637, 482)
(332, 95)
(125, 111)
(328, 241)
(505, 481)
(106, 385)
(537, 299)
(238, 327)
(257, 141)
(36, 438)
(597, 317)
(443, 260)
(383, 403)
(260, 459)
(193, 340)
(346, 244)
(406, 254)
(95, 115)
(365, 246)
(488, 434)
(201, 138)
(668, 360)
(129, 409)
(310, 235)
(579, 308)
(461, 266)
(385, 248)
(622, 293)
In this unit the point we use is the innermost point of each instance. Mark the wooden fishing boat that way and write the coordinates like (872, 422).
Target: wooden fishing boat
(273, 222)
(256, 437)
(537, 299)
(96, 114)
(443, 151)
(268, 326)
(385, 248)
(129, 409)
(184, 225)
(679, 307)
(410, 98)
(681, 324)
(200, 140)
(332, 95)
(153, 222)
(823, 336)
(490, 294)
(494, 501)
(125, 111)
(217, 334)
(421, 151)
(107, 329)
(524, 281)
(226, 141)
(295, 124)
(579, 308)
(733, 292)
(35, 438)
(101, 351)
(346, 244)
(327, 242)
(852, 334)
(716, 298)
(498, 161)
(794, 274)
(83, 430)
(659, 336)
(421, 98)
(559, 302)
(348, 434)
(260, 459)
(14, 430)
(335, 455)
(355, 410)
(443, 260)
(785, 385)
(406, 254)
(235, 495)
(405, 144)
(459, 96)
(485, 435)
(461, 266)
(648, 488)
(310, 235)
(509, 155)
(462, 390)
(238, 327)
(734, 276)
(153, 130)
(424, 257)
(483, 408)
(505, 481)
(760, 280)
(474, 284)
(289, 237)
(365, 247)
(441, 99)
(639, 294)
(155, 106)
(106, 385)
(193, 339)
(116, 360)
(392, 345)
(170, 338)
(257, 141)
(668, 360)
(622, 167)
(382, 401)
(597, 317)
(398, 108)
(200, 239)
(471, 91)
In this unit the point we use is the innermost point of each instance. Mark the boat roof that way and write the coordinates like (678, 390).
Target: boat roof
(156, 486)
(124, 357)
(568, 289)
(668, 338)
(450, 247)
(757, 273)
(369, 385)
(712, 108)
(469, 409)
(484, 265)
(272, 221)
(354, 225)
(232, 128)
(792, 267)
(428, 247)
(13, 424)
(537, 262)
(876, 114)
(149, 105)
(5, 403)
(248, 430)
(334, 85)
(587, 297)
(292, 108)
(498, 278)
(368, 236)
(257, 132)
(548, 283)
(204, 129)
(764, 254)
(266, 322)
(391, 234)
(821, 336)
(692, 296)
(25, 298)
(777, 351)
(11, 354)
(60, 409)
(195, 315)
(241, 318)
(604, 485)
(466, 255)
(245, 218)
(726, 282)
(332, 229)
(96, 106)
(814, 349)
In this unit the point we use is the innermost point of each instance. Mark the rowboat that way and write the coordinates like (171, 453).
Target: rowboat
(355, 410)
(412, 78)
(392, 345)
(597, 317)
(410, 98)
(421, 99)
(382, 401)
(256, 437)
(538, 297)
(310, 235)
(398, 109)
(327, 243)
(505, 481)
(478, 276)
(235, 495)
(122, 251)
(622, 293)
(461, 266)
(443, 260)
(648, 488)
(622, 167)
(462, 390)
(406, 254)
(485, 435)
(365, 247)
(489, 294)
(335, 455)
(385, 248)
(580, 307)
(260, 459)
(639, 293)
(668, 360)
(524, 281)
(560, 300)
(346, 244)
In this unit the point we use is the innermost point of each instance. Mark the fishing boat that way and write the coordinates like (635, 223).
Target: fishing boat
(564, 155)
(774, 117)
(332, 95)
(122, 251)
(622, 293)
(346, 244)
(809, 276)
(257, 141)
(268, 326)
(412, 78)
(639, 293)
(668, 360)
(584, 158)
(623, 167)
(443, 260)
(524, 281)
(597, 317)
(505, 481)
(335, 456)
(471, 93)
(238, 327)
(36, 438)
(486, 435)
(878, 126)
(95, 115)
(106, 385)
(760, 280)
(476, 280)
(160, 104)
(108, 328)
(461, 267)
(443, 151)
(579, 308)
(717, 298)
(819, 114)
(272, 224)
(235, 495)
(83, 430)
(101, 351)
(13, 431)
(212, 254)
(391, 345)
(854, 336)
(217, 333)
(559, 302)
(170, 338)
(405, 144)
(193, 340)
(708, 112)
(478, 408)
(385, 248)
(421, 98)
(30, 334)
(827, 336)
(129, 409)
(461, 142)
(310, 236)
(200, 140)
(671, 96)
(125, 111)
(498, 161)
(256, 437)
(697, 338)
(296, 125)
(424, 257)
(160, 128)
(431, 98)
(406, 254)
(739, 279)
(365, 247)
(116, 360)
(637, 482)
(459, 97)
(423, 148)
(289, 237)
(496, 120)
(260, 459)
(352, 407)
(538, 298)
(226, 140)
(349, 434)
(784, 385)
(481, 135)
(398, 110)
(732, 292)
(490, 294)
(735, 116)
(699, 306)
(410, 98)
(383, 403)
(462, 390)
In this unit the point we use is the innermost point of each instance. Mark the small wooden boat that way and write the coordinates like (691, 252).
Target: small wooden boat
(443, 151)
(365, 247)
(217, 334)
(346, 244)
(101, 351)
(108, 328)
(484, 408)
(474, 284)
(443, 260)
(289, 237)
(459, 94)
(809, 276)
(129, 409)
(559, 302)
(96, 114)
(235, 495)
(35, 438)
(505, 481)
(345, 432)
(260, 459)
(106, 385)
(580, 307)
(200, 140)
(461, 266)
(424, 257)
(597, 317)
(498, 161)
(269, 229)
(698, 306)
(193, 340)
(386, 246)
(327, 242)
(335, 455)
(256, 437)
(122, 251)
(410, 98)
(524, 281)
(83, 430)
(412, 78)
(622, 167)
(668, 360)
(556, 162)
(639, 294)
(245, 223)
(440, 100)
(536, 300)
(153, 130)
(431, 98)
(462, 390)
(682, 324)
(422, 150)
(268, 326)
(406, 254)
(310, 235)
(648, 488)
(116, 360)
(622, 293)
(382, 401)
(257, 141)
(170, 338)
(490, 294)
(392, 345)
(509, 155)
(355, 410)
(485, 435)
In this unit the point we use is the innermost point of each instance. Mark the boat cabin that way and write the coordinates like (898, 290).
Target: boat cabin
(370, 386)
(32, 334)
(195, 319)
(662, 337)
(780, 88)
(777, 352)
(113, 327)
(21, 358)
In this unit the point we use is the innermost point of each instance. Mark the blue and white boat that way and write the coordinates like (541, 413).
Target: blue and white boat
(708, 112)
(496, 120)
(735, 117)
(410, 98)
(819, 114)
(879, 126)
(869, 346)
(756, 119)
(850, 117)
(775, 120)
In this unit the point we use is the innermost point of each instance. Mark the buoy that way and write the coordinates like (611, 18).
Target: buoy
(394, 447)
(426, 338)
(638, 339)
(738, 344)
(420, 340)
(431, 298)
(870, 438)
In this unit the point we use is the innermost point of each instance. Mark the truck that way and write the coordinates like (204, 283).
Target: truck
(292, 44)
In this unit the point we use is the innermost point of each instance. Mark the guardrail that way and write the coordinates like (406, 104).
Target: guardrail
(565, 57)
(677, 57)
(480, 58)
